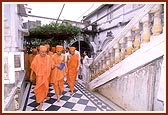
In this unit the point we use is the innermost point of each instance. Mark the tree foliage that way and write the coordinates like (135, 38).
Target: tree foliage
(51, 34)
(59, 31)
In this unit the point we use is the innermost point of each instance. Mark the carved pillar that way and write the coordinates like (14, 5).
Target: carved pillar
(129, 43)
(123, 46)
(146, 29)
(102, 64)
(107, 61)
(117, 53)
(136, 43)
(157, 25)
(95, 71)
(108, 58)
(112, 56)
(103, 60)
(99, 67)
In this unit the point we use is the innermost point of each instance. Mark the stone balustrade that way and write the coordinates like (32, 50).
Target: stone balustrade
(138, 32)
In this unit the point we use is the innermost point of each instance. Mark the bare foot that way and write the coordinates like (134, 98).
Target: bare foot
(40, 107)
(71, 93)
(47, 98)
(58, 99)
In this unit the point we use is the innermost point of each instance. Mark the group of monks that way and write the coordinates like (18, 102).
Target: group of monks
(44, 69)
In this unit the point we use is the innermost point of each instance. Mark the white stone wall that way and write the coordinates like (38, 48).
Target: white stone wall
(124, 14)
(136, 91)
(13, 43)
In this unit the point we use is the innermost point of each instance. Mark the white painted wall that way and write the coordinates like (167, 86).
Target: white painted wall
(13, 42)
(123, 14)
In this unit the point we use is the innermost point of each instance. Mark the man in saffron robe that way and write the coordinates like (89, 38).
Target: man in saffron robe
(53, 49)
(48, 50)
(57, 73)
(26, 65)
(42, 65)
(73, 67)
(31, 57)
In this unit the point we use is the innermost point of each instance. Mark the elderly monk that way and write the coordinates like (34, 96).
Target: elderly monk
(73, 67)
(31, 57)
(48, 50)
(42, 65)
(57, 73)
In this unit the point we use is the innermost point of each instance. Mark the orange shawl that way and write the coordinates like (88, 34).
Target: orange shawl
(42, 67)
(73, 64)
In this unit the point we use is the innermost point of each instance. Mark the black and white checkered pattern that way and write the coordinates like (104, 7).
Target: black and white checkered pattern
(81, 100)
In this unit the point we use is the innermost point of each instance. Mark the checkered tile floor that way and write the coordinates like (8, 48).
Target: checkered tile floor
(81, 100)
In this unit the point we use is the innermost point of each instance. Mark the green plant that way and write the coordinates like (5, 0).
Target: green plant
(52, 34)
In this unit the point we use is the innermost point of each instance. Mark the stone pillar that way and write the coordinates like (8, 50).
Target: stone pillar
(146, 29)
(129, 43)
(123, 46)
(102, 65)
(157, 25)
(117, 53)
(136, 30)
(108, 59)
(99, 68)
(112, 56)
(90, 60)
(95, 71)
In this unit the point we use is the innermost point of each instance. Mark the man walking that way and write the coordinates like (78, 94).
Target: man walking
(73, 67)
(41, 65)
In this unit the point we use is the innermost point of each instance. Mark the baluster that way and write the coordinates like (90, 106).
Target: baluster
(157, 25)
(129, 43)
(146, 29)
(136, 29)
(98, 72)
(112, 57)
(117, 53)
(108, 59)
(123, 46)
(95, 70)
(102, 65)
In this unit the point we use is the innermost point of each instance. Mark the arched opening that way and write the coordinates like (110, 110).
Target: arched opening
(83, 46)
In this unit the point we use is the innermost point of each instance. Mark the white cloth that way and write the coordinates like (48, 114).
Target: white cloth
(66, 56)
(85, 69)
(77, 52)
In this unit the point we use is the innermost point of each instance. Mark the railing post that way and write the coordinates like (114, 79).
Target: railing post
(107, 61)
(99, 68)
(129, 43)
(157, 26)
(117, 53)
(102, 64)
(136, 30)
(123, 46)
(112, 57)
(146, 29)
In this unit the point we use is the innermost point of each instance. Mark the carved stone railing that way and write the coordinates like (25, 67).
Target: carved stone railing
(144, 27)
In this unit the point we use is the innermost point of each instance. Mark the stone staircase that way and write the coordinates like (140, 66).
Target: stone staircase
(139, 47)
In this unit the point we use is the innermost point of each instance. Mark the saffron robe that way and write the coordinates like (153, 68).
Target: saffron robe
(73, 66)
(33, 77)
(57, 76)
(27, 66)
(42, 67)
